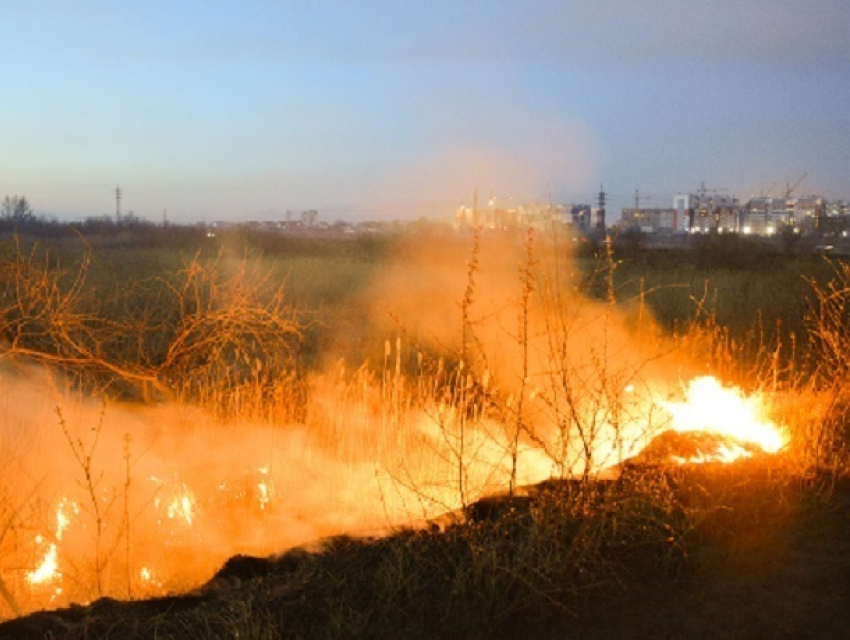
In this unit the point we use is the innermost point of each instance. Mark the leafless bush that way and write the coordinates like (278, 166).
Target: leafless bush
(214, 332)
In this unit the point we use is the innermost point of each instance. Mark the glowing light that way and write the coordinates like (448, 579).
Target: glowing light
(263, 489)
(264, 498)
(724, 453)
(63, 520)
(183, 508)
(711, 407)
(47, 570)
(148, 578)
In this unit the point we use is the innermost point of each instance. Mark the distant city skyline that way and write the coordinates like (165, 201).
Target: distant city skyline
(376, 109)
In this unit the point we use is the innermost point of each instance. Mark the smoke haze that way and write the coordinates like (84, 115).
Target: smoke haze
(159, 496)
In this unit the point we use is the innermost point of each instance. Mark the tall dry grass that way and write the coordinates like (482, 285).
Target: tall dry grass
(508, 375)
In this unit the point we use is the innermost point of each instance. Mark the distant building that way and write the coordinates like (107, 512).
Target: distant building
(309, 218)
(707, 213)
(581, 216)
(496, 216)
(807, 213)
(651, 220)
(704, 212)
(836, 219)
(765, 216)
(683, 204)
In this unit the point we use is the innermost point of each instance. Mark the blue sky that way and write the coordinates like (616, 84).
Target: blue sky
(213, 110)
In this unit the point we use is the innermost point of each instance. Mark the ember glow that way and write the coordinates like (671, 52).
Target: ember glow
(47, 570)
(64, 511)
(711, 407)
(263, 489)
(182, 507)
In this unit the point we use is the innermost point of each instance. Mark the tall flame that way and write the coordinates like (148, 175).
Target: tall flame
(711, 407)
(47, 570)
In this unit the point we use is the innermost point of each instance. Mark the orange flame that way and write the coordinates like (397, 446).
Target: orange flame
(711, 407)
(264, 492)
(178, 501)
(47, 570)
(182, 507)
(63, 519)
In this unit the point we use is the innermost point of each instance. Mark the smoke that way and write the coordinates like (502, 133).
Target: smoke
(518, 285)
(502, 148)
(158, 496)
(563, 368)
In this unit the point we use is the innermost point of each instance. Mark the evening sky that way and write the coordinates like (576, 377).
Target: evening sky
(215, 110)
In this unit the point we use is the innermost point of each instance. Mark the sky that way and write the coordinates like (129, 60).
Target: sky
(375, 109)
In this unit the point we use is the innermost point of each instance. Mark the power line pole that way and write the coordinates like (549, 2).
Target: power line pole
(601, 214)
(639, 197)
(118, 195)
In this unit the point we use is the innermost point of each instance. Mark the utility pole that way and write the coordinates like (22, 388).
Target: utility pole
(601, 215)
(118, 195)
(639, 197)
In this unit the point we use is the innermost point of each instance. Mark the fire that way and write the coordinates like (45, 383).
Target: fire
(182, 507)
(189, 511)
(63, 519)
(263, 489)
(47, 570)
(178, 501)
(711, 407)
(148, 578)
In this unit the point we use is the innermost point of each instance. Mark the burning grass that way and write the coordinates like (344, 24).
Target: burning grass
(523, 566)
(613, 454)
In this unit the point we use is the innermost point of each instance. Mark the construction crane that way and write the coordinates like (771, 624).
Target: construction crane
(790, 189)
(790, 205)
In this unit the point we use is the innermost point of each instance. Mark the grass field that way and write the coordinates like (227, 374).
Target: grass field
(202, 397)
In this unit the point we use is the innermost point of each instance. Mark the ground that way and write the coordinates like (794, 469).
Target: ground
(791, 585)
(788, 579)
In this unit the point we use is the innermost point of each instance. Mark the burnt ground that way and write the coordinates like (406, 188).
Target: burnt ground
(766, 572)
(789, 584)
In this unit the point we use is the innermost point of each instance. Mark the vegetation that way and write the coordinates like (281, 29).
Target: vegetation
(240, 325)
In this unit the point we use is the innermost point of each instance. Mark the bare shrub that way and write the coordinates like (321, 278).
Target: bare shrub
(217, 332)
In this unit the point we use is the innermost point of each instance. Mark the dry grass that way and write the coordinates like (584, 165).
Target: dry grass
(543, 384)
